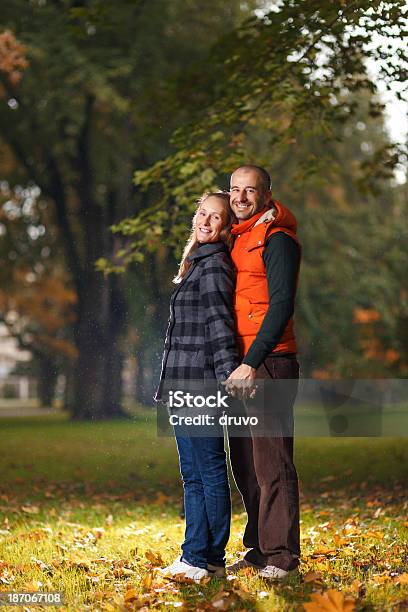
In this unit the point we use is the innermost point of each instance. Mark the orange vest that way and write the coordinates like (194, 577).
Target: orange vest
(251, 294)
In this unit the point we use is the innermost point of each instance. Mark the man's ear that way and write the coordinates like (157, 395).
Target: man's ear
(268, 199)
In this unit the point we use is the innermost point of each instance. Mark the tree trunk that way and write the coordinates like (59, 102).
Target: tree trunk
(47, 380)
(98, 371)
(139, 376)
(69, 390)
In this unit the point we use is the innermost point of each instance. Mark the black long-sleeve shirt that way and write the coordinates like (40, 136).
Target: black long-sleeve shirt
(282, 260)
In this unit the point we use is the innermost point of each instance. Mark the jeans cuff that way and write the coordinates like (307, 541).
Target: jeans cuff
(192, 562)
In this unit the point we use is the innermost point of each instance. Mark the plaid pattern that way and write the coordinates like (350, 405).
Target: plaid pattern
(200, 339)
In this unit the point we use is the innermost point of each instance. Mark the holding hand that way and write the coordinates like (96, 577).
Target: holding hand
(241, 382)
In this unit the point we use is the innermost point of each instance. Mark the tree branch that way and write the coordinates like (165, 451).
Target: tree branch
(58, 194)
(54, 188)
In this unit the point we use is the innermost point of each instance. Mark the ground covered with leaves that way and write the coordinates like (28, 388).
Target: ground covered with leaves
(92, 510)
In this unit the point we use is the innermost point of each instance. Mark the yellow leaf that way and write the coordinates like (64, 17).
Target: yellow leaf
(131, 595)
(355, 586)
(330, 601)
(30, 509)
(401, 579)
(381, 579)
(147, 581)
(183, 579)
(242, 593)
(374, 534)
(339, 541)
(154, 558)
(324, 550)
(220, 595)
(313, 577)
(34, 585)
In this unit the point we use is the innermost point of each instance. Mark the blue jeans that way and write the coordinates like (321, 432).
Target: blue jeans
(207, 500)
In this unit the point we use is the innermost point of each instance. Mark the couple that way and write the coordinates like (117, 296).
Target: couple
(231, 321)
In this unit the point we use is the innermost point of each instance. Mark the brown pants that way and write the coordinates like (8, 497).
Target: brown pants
(265, 474)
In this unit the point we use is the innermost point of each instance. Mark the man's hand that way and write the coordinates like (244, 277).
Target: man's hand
(241, 382)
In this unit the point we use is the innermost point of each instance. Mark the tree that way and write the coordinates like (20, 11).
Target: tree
(94, 96)
(301, 65)
(37, 302)
(298, 74)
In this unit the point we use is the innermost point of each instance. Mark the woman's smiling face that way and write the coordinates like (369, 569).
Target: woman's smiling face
(210, 219)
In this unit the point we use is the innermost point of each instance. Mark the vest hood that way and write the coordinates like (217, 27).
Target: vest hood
(278, 214)
(284, 218)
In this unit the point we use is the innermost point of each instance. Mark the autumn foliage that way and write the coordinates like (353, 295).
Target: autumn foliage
(13, 59)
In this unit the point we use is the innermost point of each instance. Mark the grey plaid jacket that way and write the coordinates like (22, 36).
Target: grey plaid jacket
(200, 339)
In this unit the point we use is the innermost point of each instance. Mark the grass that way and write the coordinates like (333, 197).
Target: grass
(91, 510)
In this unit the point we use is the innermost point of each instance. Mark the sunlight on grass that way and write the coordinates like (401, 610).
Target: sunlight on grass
(91, 510)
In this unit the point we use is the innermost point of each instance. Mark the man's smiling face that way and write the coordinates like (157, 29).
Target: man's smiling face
(248, 195)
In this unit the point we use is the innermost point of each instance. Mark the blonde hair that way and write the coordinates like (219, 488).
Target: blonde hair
(192, 242)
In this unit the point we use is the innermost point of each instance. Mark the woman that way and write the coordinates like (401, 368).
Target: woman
(200, 346)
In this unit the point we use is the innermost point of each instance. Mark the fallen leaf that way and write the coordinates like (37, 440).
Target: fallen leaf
(358, 589)
(381, 579)
(324, 550)
(30, 509)
(78, 561)
(154, 558)
(313, 577)
(374, 534)
(34, 585)
(132, 597)
(401, 579)
(147, 581)
(330, 601)
(339, 541)
(242, 593)
(183, 579)
(356, 586)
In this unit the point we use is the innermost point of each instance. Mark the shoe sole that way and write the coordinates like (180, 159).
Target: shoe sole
(232, 570)
(290, 574)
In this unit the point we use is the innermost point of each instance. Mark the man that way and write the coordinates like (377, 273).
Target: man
(266, 254)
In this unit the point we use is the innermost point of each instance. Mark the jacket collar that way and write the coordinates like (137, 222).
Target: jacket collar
(204, 250)
(279, 215)
(240, 228)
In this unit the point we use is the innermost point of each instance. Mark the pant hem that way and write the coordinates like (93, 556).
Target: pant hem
(190, 561)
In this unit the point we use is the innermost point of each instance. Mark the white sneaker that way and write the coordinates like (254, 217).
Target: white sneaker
(271, 572)
(216, 570)
(178, 568)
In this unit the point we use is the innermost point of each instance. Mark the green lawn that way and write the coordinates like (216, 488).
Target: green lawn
(91, 509)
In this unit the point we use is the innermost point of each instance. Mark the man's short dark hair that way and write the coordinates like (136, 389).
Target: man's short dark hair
(263, 174)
